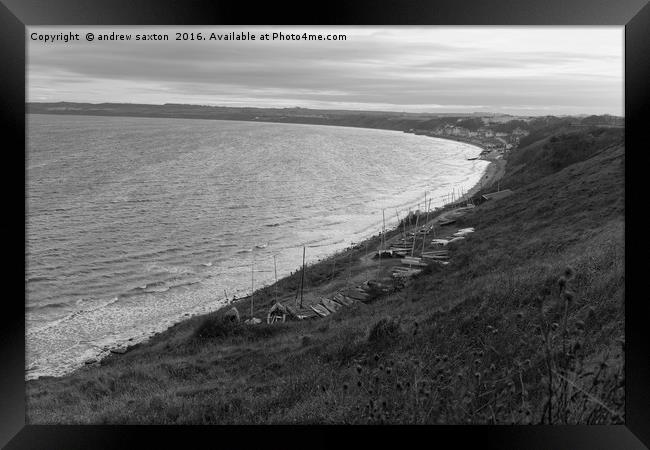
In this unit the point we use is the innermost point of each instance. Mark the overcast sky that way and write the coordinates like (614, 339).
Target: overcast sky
(529, 71)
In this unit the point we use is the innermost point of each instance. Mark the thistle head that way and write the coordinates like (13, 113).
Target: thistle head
(569, 273)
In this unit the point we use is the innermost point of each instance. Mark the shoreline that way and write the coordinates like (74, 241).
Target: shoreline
(492, 172)
(465, 325)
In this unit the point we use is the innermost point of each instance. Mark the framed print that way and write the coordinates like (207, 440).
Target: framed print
(244, 218)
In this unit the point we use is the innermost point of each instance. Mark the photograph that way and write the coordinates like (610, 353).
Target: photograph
(325, 225)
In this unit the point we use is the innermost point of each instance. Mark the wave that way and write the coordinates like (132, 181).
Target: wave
(137, 256)
(34, 279)
(57, 305)
(72, 316)
(157, 287)
(169, 269)
(227, 245)
(323, 244)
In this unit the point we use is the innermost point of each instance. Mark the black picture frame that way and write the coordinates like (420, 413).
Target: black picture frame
(15, 15)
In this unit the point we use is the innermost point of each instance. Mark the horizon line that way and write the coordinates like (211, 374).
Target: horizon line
(332, 109)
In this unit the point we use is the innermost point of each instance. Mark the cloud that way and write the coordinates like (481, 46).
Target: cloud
(573, 70)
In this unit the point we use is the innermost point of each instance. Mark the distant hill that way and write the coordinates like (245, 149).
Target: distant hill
(389, 120)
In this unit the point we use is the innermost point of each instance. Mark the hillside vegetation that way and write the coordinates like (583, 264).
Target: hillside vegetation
(525, 325)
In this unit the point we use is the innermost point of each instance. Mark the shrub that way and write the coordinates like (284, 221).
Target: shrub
(215, 327)
(383, 330)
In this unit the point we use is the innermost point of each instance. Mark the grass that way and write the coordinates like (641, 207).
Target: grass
(524, 326)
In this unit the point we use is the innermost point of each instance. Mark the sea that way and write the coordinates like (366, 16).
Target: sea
(133, 224)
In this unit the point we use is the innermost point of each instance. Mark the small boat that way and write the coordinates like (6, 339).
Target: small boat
(331, 305)
(320, 310)
(413, 261)
(355, 295)
(399, 272)
(436, 257)
(262, 245)
(463, 232)
(444, 263)
(344, 300)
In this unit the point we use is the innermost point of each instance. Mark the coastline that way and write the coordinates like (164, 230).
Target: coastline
(491, 173)
(444, 326)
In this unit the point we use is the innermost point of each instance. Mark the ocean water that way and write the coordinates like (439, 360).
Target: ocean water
(134, 223)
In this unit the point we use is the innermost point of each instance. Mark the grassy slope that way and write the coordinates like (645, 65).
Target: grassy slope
(464, 343)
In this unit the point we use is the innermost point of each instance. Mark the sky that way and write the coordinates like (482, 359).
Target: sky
(512, 70)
